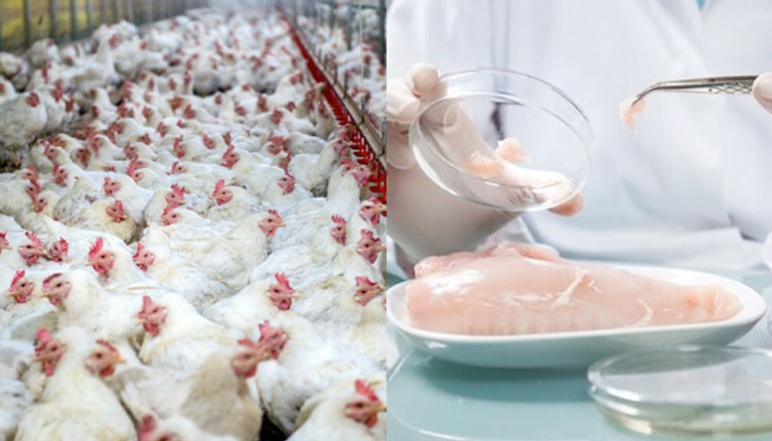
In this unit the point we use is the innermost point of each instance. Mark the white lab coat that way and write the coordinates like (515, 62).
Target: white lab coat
(693, 187)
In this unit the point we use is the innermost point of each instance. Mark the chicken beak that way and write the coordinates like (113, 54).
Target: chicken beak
(119, 359)
(381, 407)
(9, 293)
(382, 209)
(89, 263)
(6, 246)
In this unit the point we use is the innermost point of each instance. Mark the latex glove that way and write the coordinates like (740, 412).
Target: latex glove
(762, 90)
(424, 219)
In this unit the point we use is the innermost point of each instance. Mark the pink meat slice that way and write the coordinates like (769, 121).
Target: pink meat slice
(512, 289)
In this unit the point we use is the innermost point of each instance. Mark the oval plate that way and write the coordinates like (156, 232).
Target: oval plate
(581, 348)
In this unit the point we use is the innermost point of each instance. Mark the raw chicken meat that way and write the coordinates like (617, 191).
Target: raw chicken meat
(511, 289)
(629, 110)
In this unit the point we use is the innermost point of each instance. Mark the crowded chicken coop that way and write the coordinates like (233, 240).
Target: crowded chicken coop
(192, 220)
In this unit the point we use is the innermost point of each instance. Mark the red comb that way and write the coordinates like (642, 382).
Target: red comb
(19, 275)
(48, 279)
(364, 280)
(338, 219)
(140, 247)
(35, 186)
(102, 341)
(34, 238)
(179, 190)
(146, 427)
(366, 390)
(274, 212)
(96, 248)
(42, 337)
(219, 185)
(283, 280)
(248, 343)
(367, 234)
(2, 234)
(264, 327)
(147, 302)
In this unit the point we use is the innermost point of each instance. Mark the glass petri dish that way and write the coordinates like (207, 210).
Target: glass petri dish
(697, 390)
(553, 131)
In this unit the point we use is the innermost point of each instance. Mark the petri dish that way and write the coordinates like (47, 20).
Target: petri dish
(552, 130)
(696, 390)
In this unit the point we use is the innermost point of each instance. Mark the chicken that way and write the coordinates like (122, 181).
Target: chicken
(174, 428)
(14, 400)
(342, 415)
(256, 303)
(216, 397)
(285, 383)
(231, 202)
(21, 120)
(176, 336)
(229, 254)
(83, 302)
(313, 171)
(106, 215)
(76, 403)
(200, 286)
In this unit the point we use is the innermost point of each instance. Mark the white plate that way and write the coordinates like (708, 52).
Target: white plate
(580, 349)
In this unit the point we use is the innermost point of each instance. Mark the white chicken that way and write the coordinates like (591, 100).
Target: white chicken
(76, 403)
(340, 414)
(216, 397)
(176, 336)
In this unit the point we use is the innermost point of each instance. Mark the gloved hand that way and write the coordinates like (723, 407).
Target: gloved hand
(762, 90)
(424, 219)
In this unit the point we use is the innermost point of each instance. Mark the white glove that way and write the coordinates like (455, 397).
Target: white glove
(424, 219)
(762, 90)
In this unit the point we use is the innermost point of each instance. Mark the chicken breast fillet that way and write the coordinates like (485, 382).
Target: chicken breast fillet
(515, 290)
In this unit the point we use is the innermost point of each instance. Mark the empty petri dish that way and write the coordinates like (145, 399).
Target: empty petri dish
(456, 137)
(698, 390)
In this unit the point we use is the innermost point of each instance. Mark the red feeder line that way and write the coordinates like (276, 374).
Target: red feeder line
(363, 153)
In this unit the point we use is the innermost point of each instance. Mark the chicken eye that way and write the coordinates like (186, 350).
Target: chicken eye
(59, 285)
(98, 355)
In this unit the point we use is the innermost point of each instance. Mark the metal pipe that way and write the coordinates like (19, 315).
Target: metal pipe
(382, 31)
(102, 11)
(54, 21)
(115, 12)
(350, 24)
(129, 10)
(90, 16)
(27, 23)
(1, 29)
(74, 19)
(149, 10)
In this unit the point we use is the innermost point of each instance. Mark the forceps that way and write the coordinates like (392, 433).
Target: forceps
(731, 85)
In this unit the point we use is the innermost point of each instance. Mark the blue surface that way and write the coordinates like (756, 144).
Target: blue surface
(432, 400)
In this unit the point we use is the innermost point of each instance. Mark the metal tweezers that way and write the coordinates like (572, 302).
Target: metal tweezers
(731, 85)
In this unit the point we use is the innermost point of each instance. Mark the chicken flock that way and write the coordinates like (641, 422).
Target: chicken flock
(187, 249)
(358, 67)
